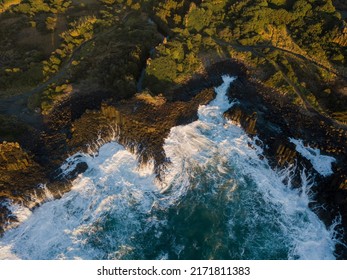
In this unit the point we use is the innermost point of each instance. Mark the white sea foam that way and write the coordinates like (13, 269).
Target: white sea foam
(58, 229)
(21, 212)
(213, 140)
(321, 163)
(115, 204)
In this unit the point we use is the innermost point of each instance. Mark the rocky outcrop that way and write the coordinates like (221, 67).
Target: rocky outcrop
(20, 179)
(18, 171)
(12, 157)
(264, 113)
(143, 122)
(285, 154)
(137, 124)
(86, 121)
(248, 122)
(280, 151)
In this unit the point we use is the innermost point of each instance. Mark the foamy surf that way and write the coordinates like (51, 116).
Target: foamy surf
(321, 163)
(217, 200)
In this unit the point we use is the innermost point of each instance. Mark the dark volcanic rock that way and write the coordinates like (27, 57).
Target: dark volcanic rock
(270, 116)
(140, 124)
(17, 168)
(144, 121)
(20, 177)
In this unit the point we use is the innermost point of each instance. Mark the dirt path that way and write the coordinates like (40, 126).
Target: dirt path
(308, 106)
(297, 55)
(255, 51)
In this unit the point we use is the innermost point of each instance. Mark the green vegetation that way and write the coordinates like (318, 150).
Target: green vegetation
(57, 47)
(273, 37)
(32, 7)
(296, 46)
(79, 32)
(6, 4)
(62, 60)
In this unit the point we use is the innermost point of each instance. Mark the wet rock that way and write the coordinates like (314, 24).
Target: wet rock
(273, 119)
(285, 154)
(242, 118)
(6, 217)
(19, 177)
(137, 124)
(79, 169)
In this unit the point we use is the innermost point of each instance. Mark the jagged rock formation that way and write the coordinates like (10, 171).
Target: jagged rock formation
(136, 123)
(142, 122)
(248, 122)
(12, 157)
(19, 173)
(275, 122)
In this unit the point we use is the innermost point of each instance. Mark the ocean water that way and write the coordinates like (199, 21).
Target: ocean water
(217, 199)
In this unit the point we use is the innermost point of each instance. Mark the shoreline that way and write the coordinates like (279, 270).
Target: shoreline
(261, 112)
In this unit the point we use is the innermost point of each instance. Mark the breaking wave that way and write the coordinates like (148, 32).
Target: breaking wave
(217, 199)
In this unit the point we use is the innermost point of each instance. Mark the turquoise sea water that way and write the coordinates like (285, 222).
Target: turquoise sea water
(216, 200)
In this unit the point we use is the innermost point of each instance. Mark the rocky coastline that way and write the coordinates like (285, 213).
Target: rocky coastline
(142, 122)
(264, 113)
(100, 71)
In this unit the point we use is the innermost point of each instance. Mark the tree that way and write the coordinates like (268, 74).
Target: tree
(198, 18)
(163, 68)
(301, 7)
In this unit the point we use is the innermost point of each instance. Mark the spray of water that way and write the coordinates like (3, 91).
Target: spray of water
(217, 199)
